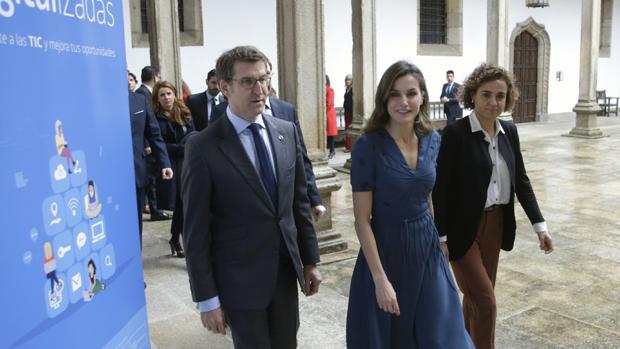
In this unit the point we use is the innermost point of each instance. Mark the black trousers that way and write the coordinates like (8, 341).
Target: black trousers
(274, 327)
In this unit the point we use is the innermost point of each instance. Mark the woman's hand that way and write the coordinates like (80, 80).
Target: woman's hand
(386, 297)
(546, 242)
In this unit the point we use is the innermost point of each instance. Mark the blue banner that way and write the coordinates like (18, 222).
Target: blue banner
(71, 266)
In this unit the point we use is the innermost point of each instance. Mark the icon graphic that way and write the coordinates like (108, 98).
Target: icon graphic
(108, 268)
(54, 211)
(97, 231)
(62, 250)
(81, 246)
(60, 173)
(75, 277)
(73, 206)
(80, 240)
(20, 180)
(76, 281)
(77, 169)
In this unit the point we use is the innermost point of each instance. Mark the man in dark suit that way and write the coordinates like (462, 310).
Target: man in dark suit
(248, 228)
(144, 128)
(149, 76)
(285, 111)
(202, 105)
(451, 106)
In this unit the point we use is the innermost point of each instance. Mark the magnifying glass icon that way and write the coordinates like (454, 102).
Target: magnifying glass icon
(108, 261)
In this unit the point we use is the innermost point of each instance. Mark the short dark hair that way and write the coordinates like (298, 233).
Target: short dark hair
(226, 62)
(210, 74)
(148, 73)
(486, 72)
(450, 72)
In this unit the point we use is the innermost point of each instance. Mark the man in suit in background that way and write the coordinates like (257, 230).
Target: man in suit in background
(248, 233)
(451, 106)
(149, 76)
(144, 127)
(286, 111)
(202, 105)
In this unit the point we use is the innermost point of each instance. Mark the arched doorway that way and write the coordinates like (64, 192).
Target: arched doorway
(525, 69)
(529, 61)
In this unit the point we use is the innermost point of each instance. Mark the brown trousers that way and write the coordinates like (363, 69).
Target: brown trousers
(475, 274)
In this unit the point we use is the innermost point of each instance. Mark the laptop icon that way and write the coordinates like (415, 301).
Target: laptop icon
(97, 231)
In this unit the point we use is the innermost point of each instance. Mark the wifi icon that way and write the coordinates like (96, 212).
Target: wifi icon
(73, 205)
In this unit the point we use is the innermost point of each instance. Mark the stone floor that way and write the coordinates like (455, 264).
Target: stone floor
(569, 299)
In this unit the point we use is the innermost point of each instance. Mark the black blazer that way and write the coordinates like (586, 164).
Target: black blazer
(143, 90)
(285, 111)
(463, 174)
(198, 104)
(144, 127)
(173, 136)
(231, 229)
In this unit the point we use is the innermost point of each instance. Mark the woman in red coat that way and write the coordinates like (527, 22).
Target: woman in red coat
(332, 128)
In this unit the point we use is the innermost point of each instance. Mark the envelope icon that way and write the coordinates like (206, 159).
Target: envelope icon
(76, 282)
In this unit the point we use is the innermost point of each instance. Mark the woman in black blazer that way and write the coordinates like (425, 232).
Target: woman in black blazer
(479, 170)
(175, 123)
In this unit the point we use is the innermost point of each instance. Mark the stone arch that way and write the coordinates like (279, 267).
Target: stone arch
(544, 48)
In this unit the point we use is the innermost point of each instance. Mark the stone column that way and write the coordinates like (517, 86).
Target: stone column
(302, 82)
(364, 65)
(587, 106)
(497, 39)
(497, 32)
(164, 39)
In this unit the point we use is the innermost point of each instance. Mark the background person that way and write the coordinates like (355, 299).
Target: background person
(175, 123)
(480, 169)
(451, 106)
(330, 118)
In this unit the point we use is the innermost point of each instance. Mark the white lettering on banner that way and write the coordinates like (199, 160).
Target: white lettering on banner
(93, 11)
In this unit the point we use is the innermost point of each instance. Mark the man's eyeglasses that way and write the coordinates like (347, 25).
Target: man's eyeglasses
(251, 82)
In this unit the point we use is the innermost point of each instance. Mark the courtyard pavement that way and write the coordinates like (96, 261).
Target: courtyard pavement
(568, 299)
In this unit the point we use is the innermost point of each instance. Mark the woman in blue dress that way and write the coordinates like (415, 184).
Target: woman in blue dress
(402, 293)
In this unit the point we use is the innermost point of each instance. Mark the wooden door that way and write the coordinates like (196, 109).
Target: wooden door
(526, 75)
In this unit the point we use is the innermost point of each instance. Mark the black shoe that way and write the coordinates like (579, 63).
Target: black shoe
(331, 155)
(160, 216)
(176, 249)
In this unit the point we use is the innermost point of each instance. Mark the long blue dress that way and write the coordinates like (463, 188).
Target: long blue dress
(409, 249)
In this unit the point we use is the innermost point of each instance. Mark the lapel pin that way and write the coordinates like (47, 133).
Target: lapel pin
(281, 138)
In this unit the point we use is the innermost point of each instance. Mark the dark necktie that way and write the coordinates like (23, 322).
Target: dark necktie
(212, 108)
(266, 172)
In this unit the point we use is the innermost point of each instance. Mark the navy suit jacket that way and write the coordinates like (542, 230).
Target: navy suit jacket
(451, 108)
(144, 127)
(285, 111)
(198, 106)
(143, 90)
(232, 231)
(464, 170)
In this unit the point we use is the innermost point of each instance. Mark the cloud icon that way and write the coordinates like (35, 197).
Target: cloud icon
(60, 173)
